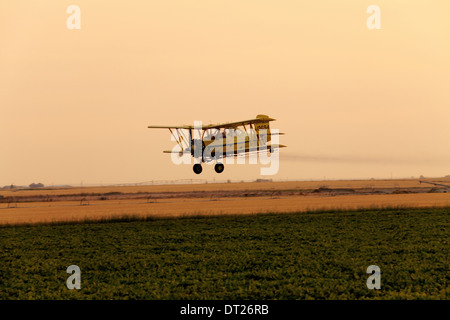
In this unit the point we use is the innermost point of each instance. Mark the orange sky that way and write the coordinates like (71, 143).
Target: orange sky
(353, 102)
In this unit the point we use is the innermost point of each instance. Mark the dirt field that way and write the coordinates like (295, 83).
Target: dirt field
(290, 185)
(71, 204)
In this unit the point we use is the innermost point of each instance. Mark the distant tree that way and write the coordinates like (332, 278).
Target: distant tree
(36, 185)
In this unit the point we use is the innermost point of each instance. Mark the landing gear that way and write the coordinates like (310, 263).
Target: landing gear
(197, 168)
(219, 167)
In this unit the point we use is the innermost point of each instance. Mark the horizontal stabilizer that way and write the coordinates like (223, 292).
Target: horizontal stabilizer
(179, 152)
(275, 146)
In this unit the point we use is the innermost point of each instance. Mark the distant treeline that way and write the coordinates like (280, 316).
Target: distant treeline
(33, 186)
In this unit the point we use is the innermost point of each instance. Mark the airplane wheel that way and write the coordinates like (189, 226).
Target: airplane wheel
(197, 168)
(219, 167)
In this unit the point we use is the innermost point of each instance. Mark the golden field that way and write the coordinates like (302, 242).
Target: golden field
(52, 205)
(73, 211)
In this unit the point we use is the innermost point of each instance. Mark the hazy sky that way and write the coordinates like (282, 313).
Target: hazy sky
(353, 102)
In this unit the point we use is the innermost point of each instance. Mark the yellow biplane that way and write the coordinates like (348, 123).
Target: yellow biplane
(215, 142)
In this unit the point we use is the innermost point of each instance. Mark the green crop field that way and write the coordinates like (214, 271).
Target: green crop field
(315, 255)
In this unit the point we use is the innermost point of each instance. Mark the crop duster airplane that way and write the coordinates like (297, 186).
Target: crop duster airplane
(218, 141)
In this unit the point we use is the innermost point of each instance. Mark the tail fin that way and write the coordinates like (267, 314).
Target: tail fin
(264, 126)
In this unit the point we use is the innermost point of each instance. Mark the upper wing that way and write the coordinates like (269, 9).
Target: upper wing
(237, 123)
(258, 119)
(171, 127)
